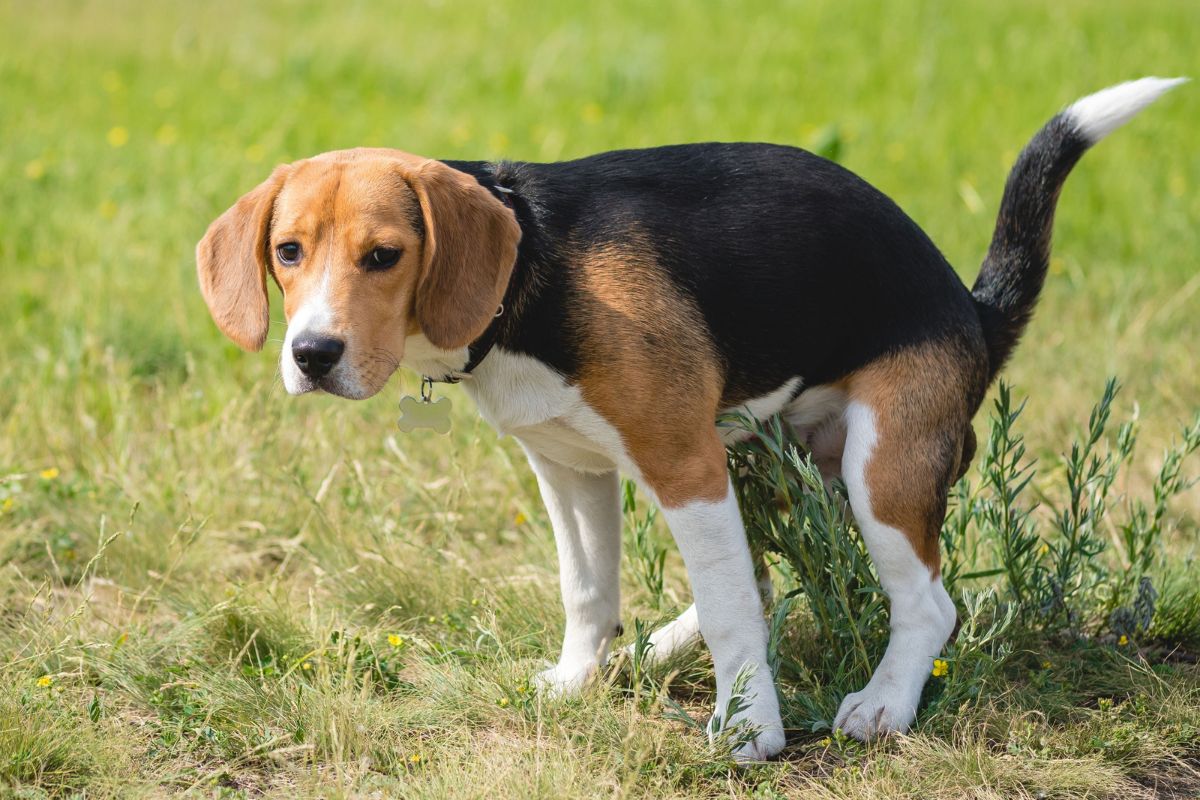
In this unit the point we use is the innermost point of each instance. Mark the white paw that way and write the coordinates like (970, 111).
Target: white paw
(564, 680)
(876, 711)
(767, 744)
(762, 717)
(674, 637)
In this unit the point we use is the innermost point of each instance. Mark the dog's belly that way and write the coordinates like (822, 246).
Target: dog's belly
(559, 442)
(816, 416)
(521, 397)
(759, 408)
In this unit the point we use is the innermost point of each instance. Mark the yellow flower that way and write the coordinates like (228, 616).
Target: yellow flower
(307, 665)
(49, 474)
(395, 640)
(826, 742)
(7, 505)
(432, 620)
(45, 681)
(415, 758)
(35, 169)
(521, 690)
(118, 136)
(1124, 640)
(940, 668)
(1046, 665)
(520, 519)
(1043, 550)
(475, 601)
(503, 702)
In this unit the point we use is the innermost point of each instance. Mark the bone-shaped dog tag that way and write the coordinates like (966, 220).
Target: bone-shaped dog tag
(416, 413)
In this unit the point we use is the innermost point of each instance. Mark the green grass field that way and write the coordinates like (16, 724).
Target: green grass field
(207, 586)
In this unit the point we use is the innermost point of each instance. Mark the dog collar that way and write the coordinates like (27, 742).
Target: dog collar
(478, 350)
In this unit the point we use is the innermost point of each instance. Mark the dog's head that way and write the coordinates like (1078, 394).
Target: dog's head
(370, 247)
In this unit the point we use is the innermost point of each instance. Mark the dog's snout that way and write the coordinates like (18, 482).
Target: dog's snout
(316, 355)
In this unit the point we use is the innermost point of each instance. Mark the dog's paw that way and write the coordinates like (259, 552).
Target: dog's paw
(767, 744)
(875, 711)
(761, 717)
(564, 680)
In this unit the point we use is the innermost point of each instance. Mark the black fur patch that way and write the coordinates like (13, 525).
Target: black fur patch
(1015, 267)
(799, 267)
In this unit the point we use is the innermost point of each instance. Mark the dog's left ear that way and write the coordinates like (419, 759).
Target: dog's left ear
(231, 261)
(470, 247)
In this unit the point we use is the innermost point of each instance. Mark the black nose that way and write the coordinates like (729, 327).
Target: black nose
(316, 355)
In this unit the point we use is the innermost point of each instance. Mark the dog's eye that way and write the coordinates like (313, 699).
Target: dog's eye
(289, 253)
(382, 258)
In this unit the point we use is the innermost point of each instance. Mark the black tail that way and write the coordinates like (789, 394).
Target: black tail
(1015, 267)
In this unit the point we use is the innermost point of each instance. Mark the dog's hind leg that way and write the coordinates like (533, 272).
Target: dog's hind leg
(903, 446)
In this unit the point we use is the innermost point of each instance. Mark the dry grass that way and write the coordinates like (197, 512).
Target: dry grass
(206, 537)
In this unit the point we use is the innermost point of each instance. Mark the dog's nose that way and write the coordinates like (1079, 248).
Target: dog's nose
(316, 355)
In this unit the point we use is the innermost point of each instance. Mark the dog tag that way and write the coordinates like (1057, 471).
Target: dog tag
(424, 412)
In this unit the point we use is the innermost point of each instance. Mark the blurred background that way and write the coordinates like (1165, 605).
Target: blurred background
(126, 127)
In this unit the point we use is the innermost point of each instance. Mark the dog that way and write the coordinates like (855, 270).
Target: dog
(605, 311)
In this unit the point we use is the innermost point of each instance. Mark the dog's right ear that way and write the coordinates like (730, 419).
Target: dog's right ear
(231, 261)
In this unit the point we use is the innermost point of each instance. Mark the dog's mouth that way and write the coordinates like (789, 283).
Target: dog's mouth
(340, 387)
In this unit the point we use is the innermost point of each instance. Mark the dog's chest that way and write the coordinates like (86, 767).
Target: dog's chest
(522, 397)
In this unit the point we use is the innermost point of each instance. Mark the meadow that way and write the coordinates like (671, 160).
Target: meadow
(210, 588)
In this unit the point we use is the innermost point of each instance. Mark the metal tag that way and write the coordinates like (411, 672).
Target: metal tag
(424, 412)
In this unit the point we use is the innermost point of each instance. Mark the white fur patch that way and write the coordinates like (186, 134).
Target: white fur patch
(312, 317)
(760, 408)
(585, 510)
(422, 357)
(521, 396)
(815, 407)
(713, 543)
(1099, 114)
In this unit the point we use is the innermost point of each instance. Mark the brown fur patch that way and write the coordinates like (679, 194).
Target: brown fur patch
(920, 397)
(232, 263)
(650, 369)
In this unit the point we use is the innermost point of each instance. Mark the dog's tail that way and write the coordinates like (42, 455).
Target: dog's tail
(1015, 267)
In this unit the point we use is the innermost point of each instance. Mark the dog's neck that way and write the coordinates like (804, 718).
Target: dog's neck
(536, 315)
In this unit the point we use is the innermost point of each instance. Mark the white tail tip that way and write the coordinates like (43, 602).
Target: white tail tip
(1099, 114)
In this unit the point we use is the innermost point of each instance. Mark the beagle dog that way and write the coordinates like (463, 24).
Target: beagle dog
(605, 311)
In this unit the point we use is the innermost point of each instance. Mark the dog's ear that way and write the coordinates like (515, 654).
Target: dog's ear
(231, 261)
(470, 247)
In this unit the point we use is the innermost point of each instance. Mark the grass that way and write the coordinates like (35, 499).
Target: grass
(208, 572)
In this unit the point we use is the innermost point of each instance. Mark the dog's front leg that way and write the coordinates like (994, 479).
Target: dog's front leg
(712, 539)
(585, 511)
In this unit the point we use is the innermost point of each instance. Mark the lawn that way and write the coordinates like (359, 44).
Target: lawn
(208, 586)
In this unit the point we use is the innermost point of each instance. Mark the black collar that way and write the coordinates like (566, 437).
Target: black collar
(478, 350)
